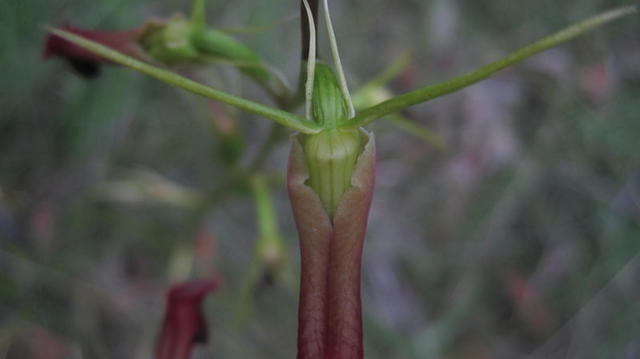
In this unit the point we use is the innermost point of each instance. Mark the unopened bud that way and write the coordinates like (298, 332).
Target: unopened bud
(170, 42)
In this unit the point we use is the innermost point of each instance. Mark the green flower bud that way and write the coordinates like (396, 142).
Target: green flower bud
(170, 42)
(218, 44)
(179, 41)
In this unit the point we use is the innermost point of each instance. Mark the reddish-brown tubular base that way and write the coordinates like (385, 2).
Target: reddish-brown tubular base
(329, 312)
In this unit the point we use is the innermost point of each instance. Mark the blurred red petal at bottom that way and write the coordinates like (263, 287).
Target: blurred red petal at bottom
(184, 322)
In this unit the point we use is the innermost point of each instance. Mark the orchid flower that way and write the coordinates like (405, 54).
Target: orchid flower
(331, 172)
(170, 42)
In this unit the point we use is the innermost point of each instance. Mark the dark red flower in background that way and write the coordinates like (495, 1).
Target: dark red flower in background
(85, 62)
(184, 322)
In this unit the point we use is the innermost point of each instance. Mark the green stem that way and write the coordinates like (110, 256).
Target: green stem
(270, 251)
(362, 98)
(430, 92)
(282, 117)
(198, 14)
(219, 45)
(267, 222)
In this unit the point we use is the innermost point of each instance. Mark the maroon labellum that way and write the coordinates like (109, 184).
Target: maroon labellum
(329, 313)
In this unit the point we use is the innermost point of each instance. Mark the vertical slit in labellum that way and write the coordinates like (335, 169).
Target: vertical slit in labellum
(330, 324)
(331, 178)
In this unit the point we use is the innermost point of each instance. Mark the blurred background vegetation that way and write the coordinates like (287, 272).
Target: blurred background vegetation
(520, 240)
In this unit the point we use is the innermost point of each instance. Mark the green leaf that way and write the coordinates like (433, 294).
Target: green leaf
(282, 117)
(430, 92)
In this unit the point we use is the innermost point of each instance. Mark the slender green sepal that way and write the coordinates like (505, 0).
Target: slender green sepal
(368, 96)
(282, 117)
(311, 62)
(338, 64)
(198, 15)
(375, 92)
(430, 92)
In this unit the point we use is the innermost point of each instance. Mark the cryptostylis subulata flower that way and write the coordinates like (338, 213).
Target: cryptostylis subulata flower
(330, 182)
(331, 172)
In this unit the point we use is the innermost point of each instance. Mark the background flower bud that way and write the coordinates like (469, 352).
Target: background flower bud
(170, 42)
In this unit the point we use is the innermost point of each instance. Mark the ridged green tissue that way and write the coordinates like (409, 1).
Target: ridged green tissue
(331, 157)
(331, 154)
(329, 108)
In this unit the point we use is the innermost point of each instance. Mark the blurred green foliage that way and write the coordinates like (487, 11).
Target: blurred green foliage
(521, 240)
